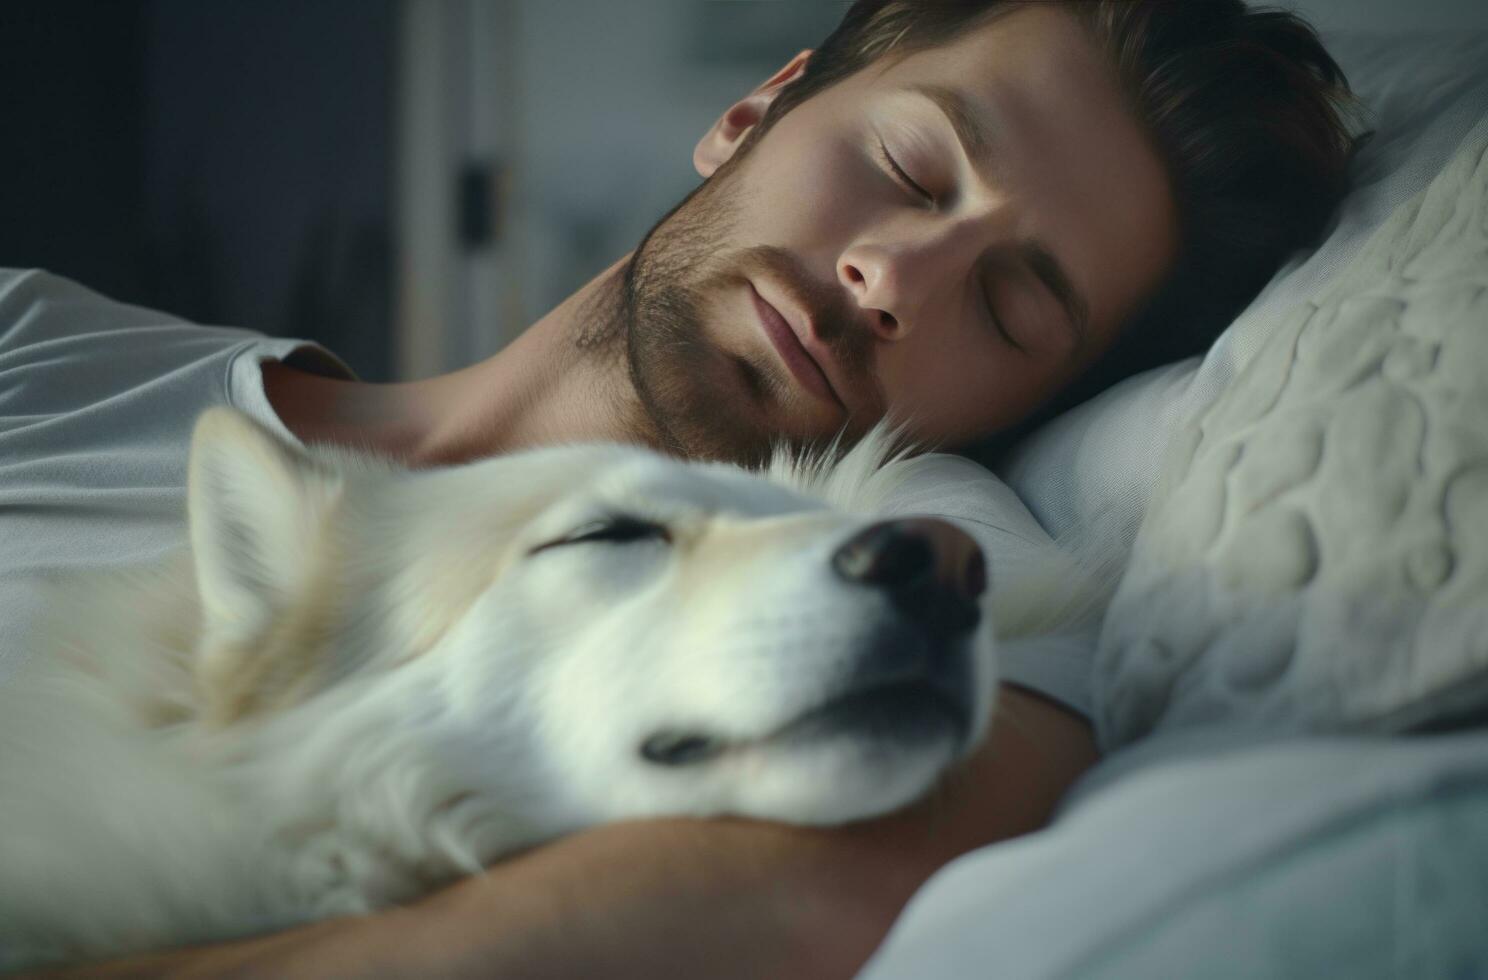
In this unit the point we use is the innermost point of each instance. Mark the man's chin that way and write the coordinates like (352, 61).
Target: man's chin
(705, 397)
(700, 403)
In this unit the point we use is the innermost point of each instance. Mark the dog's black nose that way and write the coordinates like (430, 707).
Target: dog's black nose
(933, 570)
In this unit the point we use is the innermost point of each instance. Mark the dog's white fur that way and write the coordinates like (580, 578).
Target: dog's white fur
(364, 681)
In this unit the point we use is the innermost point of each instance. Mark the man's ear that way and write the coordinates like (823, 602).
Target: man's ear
(727, 134)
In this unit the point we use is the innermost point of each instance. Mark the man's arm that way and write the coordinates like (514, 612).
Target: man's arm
(716, 898)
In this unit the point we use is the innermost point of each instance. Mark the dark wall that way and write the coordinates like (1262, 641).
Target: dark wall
(230, 162)
(72, 154)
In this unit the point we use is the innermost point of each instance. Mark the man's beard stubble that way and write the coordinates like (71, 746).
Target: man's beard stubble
(685, 386)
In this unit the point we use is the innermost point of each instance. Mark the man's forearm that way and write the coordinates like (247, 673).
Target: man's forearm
(722, 899)
(711, 898)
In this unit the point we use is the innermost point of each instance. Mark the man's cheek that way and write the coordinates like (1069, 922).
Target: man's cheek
(905, 381)
(818, 204)
(954, 398)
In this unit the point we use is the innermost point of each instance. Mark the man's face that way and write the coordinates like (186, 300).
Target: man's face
(950, 238)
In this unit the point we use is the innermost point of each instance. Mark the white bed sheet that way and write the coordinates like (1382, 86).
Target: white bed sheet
(1214, 856)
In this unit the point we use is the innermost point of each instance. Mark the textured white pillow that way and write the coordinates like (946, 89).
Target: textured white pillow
(1316, 553)
(1094, 467)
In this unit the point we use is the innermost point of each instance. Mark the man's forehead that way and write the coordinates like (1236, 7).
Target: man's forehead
(962, 52)
(1015, 63)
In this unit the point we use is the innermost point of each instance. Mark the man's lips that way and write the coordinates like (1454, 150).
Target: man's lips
(797, 360)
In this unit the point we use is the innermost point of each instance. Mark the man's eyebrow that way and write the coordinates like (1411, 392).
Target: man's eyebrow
(1042, 263)
(968, 124)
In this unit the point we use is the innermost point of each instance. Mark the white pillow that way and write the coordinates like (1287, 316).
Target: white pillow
(1315, 556)
(1093, 468)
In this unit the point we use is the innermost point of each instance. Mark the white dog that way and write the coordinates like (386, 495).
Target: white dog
(365, 681)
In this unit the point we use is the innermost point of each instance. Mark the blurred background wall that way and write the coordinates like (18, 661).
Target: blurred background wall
(411, 182)
(1393, 15)
(230, 162)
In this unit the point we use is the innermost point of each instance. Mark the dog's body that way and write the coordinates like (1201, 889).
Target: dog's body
(363, 682)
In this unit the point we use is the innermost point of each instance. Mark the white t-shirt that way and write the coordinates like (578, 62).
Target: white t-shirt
(97, 404)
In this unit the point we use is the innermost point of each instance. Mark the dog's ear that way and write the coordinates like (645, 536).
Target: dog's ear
(258, 511)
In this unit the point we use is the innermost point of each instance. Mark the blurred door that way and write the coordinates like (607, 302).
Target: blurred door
(459, 291)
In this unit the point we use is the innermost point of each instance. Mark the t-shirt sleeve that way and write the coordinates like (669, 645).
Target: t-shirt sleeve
(1055, 664)
(88, 377)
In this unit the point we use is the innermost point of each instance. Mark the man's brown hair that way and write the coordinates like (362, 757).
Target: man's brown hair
(1245, 108)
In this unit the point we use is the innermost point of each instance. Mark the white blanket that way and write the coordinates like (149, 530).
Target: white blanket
(1213, 857)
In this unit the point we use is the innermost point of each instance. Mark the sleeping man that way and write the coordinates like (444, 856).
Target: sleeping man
(967, 215)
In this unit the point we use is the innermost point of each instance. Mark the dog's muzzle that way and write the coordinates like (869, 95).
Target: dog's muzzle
(916, 676)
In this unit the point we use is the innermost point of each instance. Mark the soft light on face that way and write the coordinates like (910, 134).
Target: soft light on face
(951, 237)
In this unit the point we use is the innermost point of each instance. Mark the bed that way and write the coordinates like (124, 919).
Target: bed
(1292, 678)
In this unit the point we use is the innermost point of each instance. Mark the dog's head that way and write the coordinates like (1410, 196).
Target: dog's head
(595, 632)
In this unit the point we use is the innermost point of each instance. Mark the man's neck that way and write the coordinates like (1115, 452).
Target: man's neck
(563, 380)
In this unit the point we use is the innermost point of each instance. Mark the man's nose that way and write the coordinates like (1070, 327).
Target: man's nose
(899, 280)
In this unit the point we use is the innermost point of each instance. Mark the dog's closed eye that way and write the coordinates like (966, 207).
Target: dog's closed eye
(616, 529)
